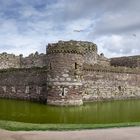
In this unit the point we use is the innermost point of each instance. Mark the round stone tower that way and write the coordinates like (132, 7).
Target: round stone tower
(64, 83)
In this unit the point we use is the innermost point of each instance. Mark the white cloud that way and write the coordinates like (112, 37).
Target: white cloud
(27, 26)
(116, 45)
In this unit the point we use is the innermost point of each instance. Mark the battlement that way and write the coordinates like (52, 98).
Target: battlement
(79, 47)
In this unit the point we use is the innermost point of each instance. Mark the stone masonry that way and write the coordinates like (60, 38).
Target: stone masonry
(70, 73)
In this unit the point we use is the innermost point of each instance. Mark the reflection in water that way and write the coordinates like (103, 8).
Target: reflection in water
(95, 113)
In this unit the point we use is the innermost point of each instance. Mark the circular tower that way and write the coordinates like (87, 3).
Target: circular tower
(64, 83)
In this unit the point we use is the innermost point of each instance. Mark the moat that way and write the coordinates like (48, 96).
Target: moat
(93, 113)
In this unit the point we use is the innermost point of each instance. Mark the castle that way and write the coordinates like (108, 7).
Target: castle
(70, 73)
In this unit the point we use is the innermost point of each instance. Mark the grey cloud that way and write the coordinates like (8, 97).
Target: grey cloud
(118, 20)
(75, 9)
(52, 20)
(98, 11)
(103, 29)
(117, 45)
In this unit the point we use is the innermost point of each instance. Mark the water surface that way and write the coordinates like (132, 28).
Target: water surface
(92, 113)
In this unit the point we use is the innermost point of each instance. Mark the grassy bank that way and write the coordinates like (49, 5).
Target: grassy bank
(18, 126)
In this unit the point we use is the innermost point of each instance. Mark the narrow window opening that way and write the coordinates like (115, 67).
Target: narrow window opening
(76, 65)
(119, 87)
(63, 91)
(50, 66)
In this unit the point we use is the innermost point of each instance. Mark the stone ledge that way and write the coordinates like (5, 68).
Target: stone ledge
(65, 102)
(65, 83)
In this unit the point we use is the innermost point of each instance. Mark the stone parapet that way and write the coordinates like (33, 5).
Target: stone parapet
(130, 61)
(79, 47)
(65, 102)
(100, 68)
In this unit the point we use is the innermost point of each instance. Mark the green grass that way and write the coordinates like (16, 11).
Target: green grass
(19, 126)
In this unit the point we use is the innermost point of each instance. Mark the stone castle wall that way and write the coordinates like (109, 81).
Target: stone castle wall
(68, 86)
(110, 85)
(24, 84)
(69, 73)
(64, 82)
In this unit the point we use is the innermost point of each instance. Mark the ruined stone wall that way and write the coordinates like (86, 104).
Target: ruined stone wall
(9, 61)
(24, 84)
(110, 85)
(131, 61)
(33, 60)
(12, 61)
(102, 60)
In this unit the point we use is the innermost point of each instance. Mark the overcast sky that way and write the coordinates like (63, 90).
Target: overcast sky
(27, 26)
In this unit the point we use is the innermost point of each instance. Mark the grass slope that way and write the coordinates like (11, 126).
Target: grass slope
(19, 126)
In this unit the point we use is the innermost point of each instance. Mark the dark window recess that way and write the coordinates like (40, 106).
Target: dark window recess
(119, 87)
(44, 89)
(76, 65)
(44, 84)
(50, 66)
(63, 91)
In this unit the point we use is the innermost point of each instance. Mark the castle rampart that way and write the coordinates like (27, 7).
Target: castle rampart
(130, 61)
(70, 73)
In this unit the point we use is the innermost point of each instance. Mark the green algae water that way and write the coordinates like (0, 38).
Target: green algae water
(89, 113)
